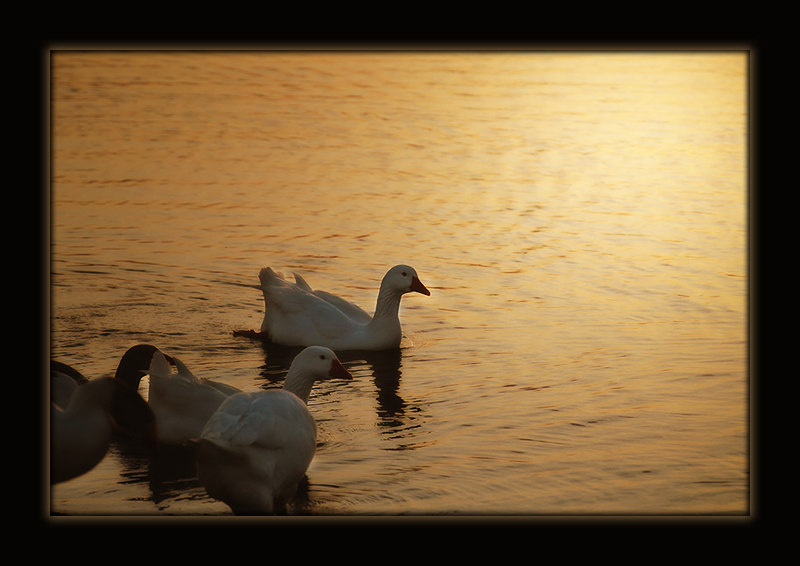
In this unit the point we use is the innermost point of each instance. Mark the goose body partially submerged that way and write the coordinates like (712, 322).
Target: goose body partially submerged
(257, 446)
(297, 315)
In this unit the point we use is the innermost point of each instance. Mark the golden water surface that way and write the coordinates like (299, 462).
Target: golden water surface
(580, 218)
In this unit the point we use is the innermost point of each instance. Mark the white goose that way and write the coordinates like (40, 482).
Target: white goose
(257, 446)
(182, 403)
(296, 315)
(81, 432)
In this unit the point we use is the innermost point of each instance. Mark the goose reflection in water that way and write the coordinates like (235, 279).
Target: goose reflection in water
(168, 471)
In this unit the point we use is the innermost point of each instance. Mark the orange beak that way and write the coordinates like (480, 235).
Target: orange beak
(339, 371)
(416, 285)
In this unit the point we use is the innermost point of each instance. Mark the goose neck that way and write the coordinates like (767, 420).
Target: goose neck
(388, 304)
(299, 384)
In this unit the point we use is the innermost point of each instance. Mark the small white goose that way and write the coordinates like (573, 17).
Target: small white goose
(257, 446)
(81, 432)
(296, 315)
(182, 403)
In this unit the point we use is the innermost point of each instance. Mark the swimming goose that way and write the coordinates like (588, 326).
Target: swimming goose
(296, 315)
(257, 446)
(181, 402)
(82, 427)
(65, 379)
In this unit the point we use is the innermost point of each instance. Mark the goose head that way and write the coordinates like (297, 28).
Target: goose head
(403, 279)
(320, 363)
(315, 363)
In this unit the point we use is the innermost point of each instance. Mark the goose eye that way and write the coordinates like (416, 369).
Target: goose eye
(322, 356)
(405, 274)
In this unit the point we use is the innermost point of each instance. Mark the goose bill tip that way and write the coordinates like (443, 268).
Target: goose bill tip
(416, 285)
